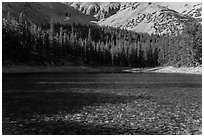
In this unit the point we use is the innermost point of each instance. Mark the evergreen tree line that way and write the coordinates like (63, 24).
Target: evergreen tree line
(50, 43)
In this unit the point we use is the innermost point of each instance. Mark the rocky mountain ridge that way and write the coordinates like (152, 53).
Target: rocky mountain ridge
(150, 17)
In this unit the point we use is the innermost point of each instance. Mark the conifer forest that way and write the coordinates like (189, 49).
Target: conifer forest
(49, 44)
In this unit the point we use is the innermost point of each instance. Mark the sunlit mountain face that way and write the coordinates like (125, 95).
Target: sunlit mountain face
(150, 17)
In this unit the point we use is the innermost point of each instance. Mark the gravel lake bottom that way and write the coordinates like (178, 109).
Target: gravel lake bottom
(101, 104)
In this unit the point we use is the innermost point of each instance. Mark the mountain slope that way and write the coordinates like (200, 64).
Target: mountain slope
(193, 9)
(149, 18)
(43, 12)
(156, 17)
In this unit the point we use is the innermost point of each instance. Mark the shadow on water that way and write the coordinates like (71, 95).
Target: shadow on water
(75, 128)
(29, 103)
(23, 106)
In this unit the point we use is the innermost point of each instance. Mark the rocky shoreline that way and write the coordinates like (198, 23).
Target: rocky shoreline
(168, 69)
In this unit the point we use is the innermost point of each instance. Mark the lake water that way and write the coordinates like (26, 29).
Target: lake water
(101, 103)
(39, 81)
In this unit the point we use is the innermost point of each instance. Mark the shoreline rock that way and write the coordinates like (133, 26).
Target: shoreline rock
(185, 70)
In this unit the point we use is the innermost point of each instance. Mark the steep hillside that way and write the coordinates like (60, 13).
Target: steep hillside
(148, 17)
(156, 17)
(42, 12)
